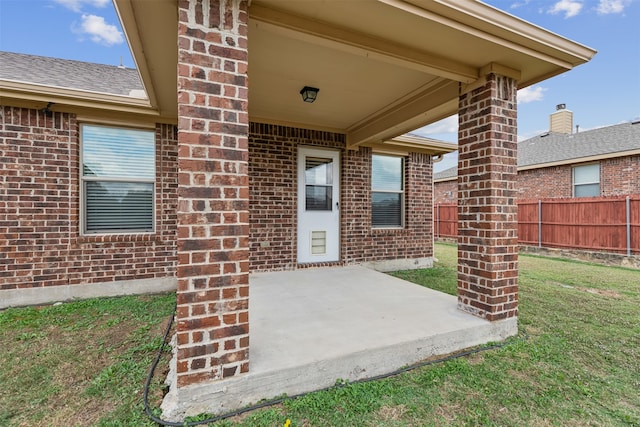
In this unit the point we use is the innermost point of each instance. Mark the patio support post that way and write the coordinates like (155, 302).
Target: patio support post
(213, 191)
(487, 210)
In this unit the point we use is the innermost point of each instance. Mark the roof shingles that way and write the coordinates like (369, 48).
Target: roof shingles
(70, 74)
(557, 147)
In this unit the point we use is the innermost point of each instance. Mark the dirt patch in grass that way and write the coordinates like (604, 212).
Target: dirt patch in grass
(447, 412)
(391, 413)
(475, 358)
(74, 364)
(90, 413)
(604, 292)
(532, 330)
(72, 370)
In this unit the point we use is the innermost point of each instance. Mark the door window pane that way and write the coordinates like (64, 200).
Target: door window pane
(318, 198)
(318, 183)
(318, 171)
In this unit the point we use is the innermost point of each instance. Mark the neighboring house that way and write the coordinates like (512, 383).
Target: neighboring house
(562, 163)
(213, 175)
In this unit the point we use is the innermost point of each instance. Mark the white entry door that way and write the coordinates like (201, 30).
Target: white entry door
(318, 205)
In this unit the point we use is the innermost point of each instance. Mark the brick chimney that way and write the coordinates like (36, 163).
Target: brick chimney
(562, 120)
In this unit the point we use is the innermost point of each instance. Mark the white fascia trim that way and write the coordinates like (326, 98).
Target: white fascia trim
(581, 160)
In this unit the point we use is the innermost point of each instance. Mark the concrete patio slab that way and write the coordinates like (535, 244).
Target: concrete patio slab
(310, 327)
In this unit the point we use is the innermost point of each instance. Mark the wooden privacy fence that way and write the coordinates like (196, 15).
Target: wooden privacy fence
(605, 224)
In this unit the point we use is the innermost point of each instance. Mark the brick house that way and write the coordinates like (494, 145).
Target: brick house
(46, 141)
(212, 175)
(562, 163)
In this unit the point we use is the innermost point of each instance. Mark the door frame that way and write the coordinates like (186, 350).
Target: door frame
(332, 254)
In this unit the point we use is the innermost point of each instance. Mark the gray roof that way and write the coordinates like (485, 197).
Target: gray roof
(554, 147)
(70, 74)
(557, 147)
(447, 173)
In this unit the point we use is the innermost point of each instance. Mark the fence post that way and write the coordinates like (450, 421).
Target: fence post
(628, 226)
(438, 220)
(539, 223)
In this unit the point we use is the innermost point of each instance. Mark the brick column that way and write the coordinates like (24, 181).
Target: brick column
(213, 193)
(487, 210)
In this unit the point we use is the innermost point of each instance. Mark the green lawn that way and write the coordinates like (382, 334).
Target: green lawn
(84, 363)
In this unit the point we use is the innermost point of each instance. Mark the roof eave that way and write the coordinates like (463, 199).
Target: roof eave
(450, 178)
(17, 91)
(539, 36)
(470, 17)
(152, 76)
(405, 144)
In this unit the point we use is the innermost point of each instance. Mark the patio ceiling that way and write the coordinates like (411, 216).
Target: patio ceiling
(383, 67)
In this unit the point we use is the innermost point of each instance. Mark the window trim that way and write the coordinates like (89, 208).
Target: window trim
(402, 193)
(84, 179)
(573, 179)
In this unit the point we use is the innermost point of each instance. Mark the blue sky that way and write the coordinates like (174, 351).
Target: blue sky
(603, 92)
(84, 30)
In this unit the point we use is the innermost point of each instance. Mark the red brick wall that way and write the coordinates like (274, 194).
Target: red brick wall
(41, 243)
(273, 188)
(356, 229)
(618, 176)
(273, 201)
(550, 182)
(360, 242)
(213, 191)
(445, 191)
(40, 214)
(487, 214)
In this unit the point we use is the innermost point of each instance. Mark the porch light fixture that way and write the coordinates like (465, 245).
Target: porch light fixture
(309, 94)
(47, 110)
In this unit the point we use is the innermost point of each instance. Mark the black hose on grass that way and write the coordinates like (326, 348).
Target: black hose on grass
(278, 400)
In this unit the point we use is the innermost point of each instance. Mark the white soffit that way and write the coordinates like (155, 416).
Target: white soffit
(383, 67)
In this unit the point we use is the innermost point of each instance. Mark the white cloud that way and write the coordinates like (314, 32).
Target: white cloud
(100, 31)
(448, 125)
(570, 8)
(76, 5)
(519, 4)
(606, 7)
(531, 94)
(531, 134)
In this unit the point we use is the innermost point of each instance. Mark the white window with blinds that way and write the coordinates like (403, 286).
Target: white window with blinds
(387, 191)
(586, 180)
(117, 179)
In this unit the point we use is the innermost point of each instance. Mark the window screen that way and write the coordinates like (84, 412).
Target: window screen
(586, 180)
(118, 176)
(387, 191)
